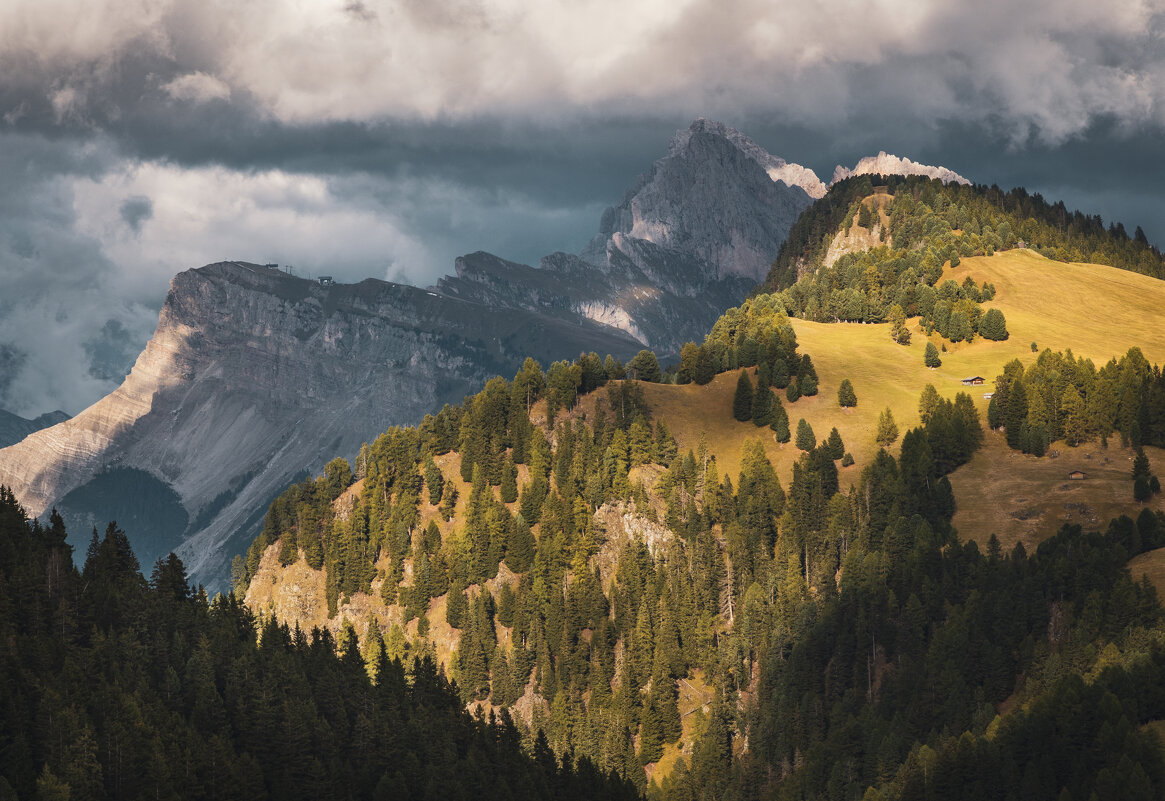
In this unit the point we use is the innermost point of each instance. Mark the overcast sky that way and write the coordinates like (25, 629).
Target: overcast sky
(139, 138)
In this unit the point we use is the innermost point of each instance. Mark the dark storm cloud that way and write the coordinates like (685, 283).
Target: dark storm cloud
(135, 211)
(369, 137)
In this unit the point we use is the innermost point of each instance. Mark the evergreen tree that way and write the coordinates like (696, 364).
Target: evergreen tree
(780, 423)
(792, 391)
(509, 483)
(520, 545)
(807, 377)
(846, 397)
(742, 401)
(705, 367)
(932, 359)
(665, 444)
(993, 326)
(644, 367)
(456, 607)
(433, 480)
(780, 373)
(1015, 416)
(887, 431)
(834, 444)
(806, 441)
(762, 406)
(928, 402)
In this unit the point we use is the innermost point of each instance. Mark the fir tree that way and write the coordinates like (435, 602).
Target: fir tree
(806, 440)
(846, 397)
(520, 545)
(665, 444)
(792, 391)
(742, 401)
(509, 483)
(433, 480)
(993, 326)
(762, 406)
(887, 431)
(834, 444)
(780, 424)
(932, 359)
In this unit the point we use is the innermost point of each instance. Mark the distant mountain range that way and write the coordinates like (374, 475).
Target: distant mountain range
(14, 428)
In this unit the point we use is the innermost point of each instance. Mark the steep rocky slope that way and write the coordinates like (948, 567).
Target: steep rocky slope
(692, 237)
(254, 376)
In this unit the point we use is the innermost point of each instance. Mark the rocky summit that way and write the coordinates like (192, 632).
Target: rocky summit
(692, 237)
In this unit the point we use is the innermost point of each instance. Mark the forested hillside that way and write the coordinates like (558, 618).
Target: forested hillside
(118, 687)
(913, 226)
(732, 636)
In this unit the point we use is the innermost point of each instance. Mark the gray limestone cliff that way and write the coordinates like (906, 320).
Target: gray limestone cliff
(255, 377)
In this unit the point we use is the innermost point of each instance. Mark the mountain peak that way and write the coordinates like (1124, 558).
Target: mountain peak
(888, 164)
(777, 168)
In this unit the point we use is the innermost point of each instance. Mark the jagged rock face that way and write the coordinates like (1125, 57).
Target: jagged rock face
(689, 240)
(710, 197)
(254, 377)
(887, 164)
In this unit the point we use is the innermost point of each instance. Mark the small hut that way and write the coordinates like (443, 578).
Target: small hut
(1077, 475)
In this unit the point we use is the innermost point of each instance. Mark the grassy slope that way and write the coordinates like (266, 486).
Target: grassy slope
(1097, 311)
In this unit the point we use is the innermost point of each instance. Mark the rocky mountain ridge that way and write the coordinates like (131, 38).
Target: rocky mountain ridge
(887, 164)
(254, 376)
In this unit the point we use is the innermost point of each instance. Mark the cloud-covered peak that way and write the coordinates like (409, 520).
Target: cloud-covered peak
(777, 168)
(887, 164)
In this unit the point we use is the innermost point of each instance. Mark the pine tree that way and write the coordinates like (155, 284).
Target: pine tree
(520, 545)
(834, 444)
(807, 377)
(928, 401)
(1015, 416)
(887, 431)
(932, 359)
(665, 444)
(456, 607)
(762, 406)
(898, 330)
(993, 326)
(509, 483)
(644, 367)
(780, 424)
(846, 397)
(742, 401)
(806, 440)
(792, 391)
(780, 373)
(433, 480)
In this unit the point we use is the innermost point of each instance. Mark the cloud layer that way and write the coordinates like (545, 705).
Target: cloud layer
(385, 137)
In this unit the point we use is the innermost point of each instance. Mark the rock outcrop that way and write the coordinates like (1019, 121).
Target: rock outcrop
(886, 164)
(254, 377)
